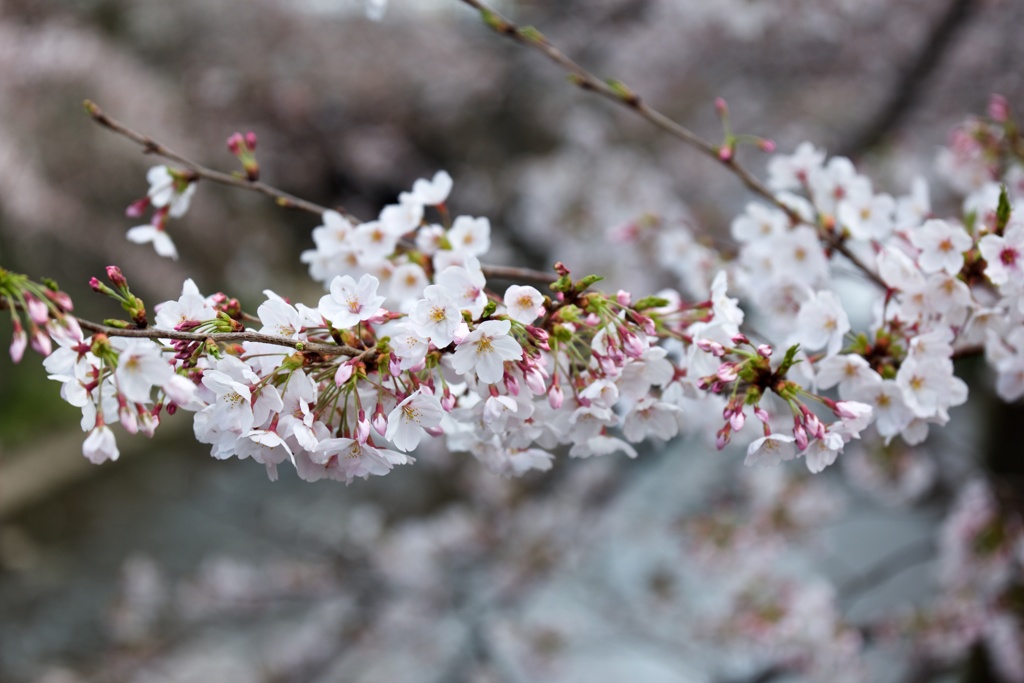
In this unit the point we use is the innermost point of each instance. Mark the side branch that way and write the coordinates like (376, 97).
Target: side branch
(619, 93)
(152, 333)
(280, 197)
(151, 146)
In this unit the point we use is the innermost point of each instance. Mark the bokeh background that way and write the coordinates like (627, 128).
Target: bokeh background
(169, 566)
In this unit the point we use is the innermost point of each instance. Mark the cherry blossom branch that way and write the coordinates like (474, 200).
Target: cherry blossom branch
(280, 197)
(619, 93)
(250, 336)
(151, 146)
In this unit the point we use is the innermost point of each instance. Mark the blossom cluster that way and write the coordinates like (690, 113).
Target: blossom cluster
(411, 340)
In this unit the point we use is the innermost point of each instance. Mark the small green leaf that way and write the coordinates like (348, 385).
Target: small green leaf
(650, 302)
(789, 360)
(585, 282)
(1003, 210)
(562, 284)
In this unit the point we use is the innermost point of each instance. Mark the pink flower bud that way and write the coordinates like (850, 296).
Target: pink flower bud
(851, 410)
(764, 351)
(434, 431)
(535, 381)
(767, 145)
(61, 300)
(380, 422)
(814, 425)
(537, 333)
(148, 422)
(128, 419)
(116, 277)
(137, 208)
(647, 324)
(344, 373)
(631, 343)
(727, 372)
(623, 297)
(725, 153)
(740, 339)
(721, 108)
(712, 347)
(608, 366)
(511, 385)
(235, 142)
(737, 420)
(761, 414)
(362, 428)
(95, 284)
(18, 342)
(250, 140)
(722, 437)
(37, 310)
(555, 397)
(592, 320)
(801, 436)
(41, 341)
(394, 366)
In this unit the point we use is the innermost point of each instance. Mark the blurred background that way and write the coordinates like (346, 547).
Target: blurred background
(170, 566)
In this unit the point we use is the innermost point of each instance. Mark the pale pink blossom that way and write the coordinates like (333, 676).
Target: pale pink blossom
(350, 302)
(470, 235)
(409, 419)
(523, 303)
(140, 367)
(771, 450)
(429, 192)
(822, 323)
(100, 446)
(436, 317)
(792, 172)
(942, 246)
(166, 191)
(485, 350)
(1004, 256)
(162, 242)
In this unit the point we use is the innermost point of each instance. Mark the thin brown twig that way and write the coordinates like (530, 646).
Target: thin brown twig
(249, 335)
(151, 146)
(620, 94)
(280, 197)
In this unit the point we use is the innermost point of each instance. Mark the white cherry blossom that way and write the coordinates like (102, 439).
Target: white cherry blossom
(470, 236)
(140, 367)
(436, 316)
(485, 350)
(155, 234)
(429, 192)
(771, 449)
(942, 246)
(409, 418)
(350, 302)
(822, 323)
(100, 446)
(523, 303)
